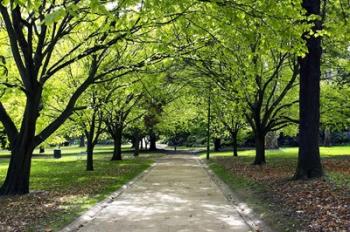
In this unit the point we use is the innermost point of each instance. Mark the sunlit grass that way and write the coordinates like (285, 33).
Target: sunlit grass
(280, 156)
(290, 152)
(335, 162)
(71, 150)
(78, 189)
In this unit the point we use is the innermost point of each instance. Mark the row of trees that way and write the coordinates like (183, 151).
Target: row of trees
(46, 41)
(105, 65)
(256, 68)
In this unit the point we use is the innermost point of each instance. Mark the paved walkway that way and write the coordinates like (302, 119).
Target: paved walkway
(176, 195)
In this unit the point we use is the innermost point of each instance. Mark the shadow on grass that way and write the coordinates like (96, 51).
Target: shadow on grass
(62, 189)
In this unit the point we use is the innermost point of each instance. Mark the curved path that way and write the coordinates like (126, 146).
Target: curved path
(177, 194)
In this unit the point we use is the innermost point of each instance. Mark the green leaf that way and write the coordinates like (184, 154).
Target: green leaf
(55, 16)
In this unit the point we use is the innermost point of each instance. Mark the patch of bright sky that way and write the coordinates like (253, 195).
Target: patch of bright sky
(113, 5)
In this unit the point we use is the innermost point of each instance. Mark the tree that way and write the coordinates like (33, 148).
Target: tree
(267, 110)
(45, 38)
(160, 90)
(90, 119)
(269, 74)
(179, 119)
(118, 112)
(35, 31)
(309, 161)
(230, 115)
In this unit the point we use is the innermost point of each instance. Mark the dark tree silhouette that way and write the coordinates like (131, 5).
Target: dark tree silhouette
(309, 161)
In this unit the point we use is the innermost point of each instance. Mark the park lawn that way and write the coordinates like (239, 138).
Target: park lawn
(70, 150)
(287, 205)
(61, 189)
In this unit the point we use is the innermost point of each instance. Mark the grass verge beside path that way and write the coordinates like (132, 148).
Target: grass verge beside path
(61, 190)
(255, 195)
(314, 205)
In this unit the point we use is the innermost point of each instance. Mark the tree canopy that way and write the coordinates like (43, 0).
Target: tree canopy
(145, 69)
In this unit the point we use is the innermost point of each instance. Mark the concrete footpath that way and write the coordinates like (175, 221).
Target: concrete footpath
(177, 194)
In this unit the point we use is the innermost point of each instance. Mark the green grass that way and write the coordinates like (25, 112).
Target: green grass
(290, 152)
(335, 160)
(277, 156)
(66, 178)
(71, 150)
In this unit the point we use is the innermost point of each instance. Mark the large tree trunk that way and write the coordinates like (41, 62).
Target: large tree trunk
(259, 149)
(152, 140)
(117, 152)
(17, 178)
(234, 143)
(309, 162)
(18, 173)
(90, 153)
(217, 144)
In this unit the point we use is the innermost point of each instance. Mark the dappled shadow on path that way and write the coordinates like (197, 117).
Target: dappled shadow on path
(176, 195)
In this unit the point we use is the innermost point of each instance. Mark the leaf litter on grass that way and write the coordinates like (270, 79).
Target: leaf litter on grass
(320, 204)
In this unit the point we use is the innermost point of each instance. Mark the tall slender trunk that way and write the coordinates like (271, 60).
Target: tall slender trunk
(117, 137)
(309, 161)
(141, 143)
(259, 149)
(234, 143)
(327, 137)
(18, 173)
(152, 140)
(90, 155)
(136, 145)
(217, 144)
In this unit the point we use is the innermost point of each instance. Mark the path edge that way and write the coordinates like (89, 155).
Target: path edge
(247, 214)
(89, 215)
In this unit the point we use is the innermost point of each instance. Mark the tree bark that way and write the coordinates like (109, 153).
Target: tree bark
(217, 144)
(90, 155)
(18, 173)
(234, 143)
(117, 138)
(136, 145)
(152, 140)
(309, 161)
(259, 149)
(17, 178)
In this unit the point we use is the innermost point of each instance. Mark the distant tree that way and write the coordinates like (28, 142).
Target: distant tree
(119, 115)
(230, 115)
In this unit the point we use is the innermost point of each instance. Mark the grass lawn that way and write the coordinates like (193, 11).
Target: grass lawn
(315, 205)
(61, 189)
(70, 150)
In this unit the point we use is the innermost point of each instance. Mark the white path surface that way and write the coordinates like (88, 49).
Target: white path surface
(176, 195)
